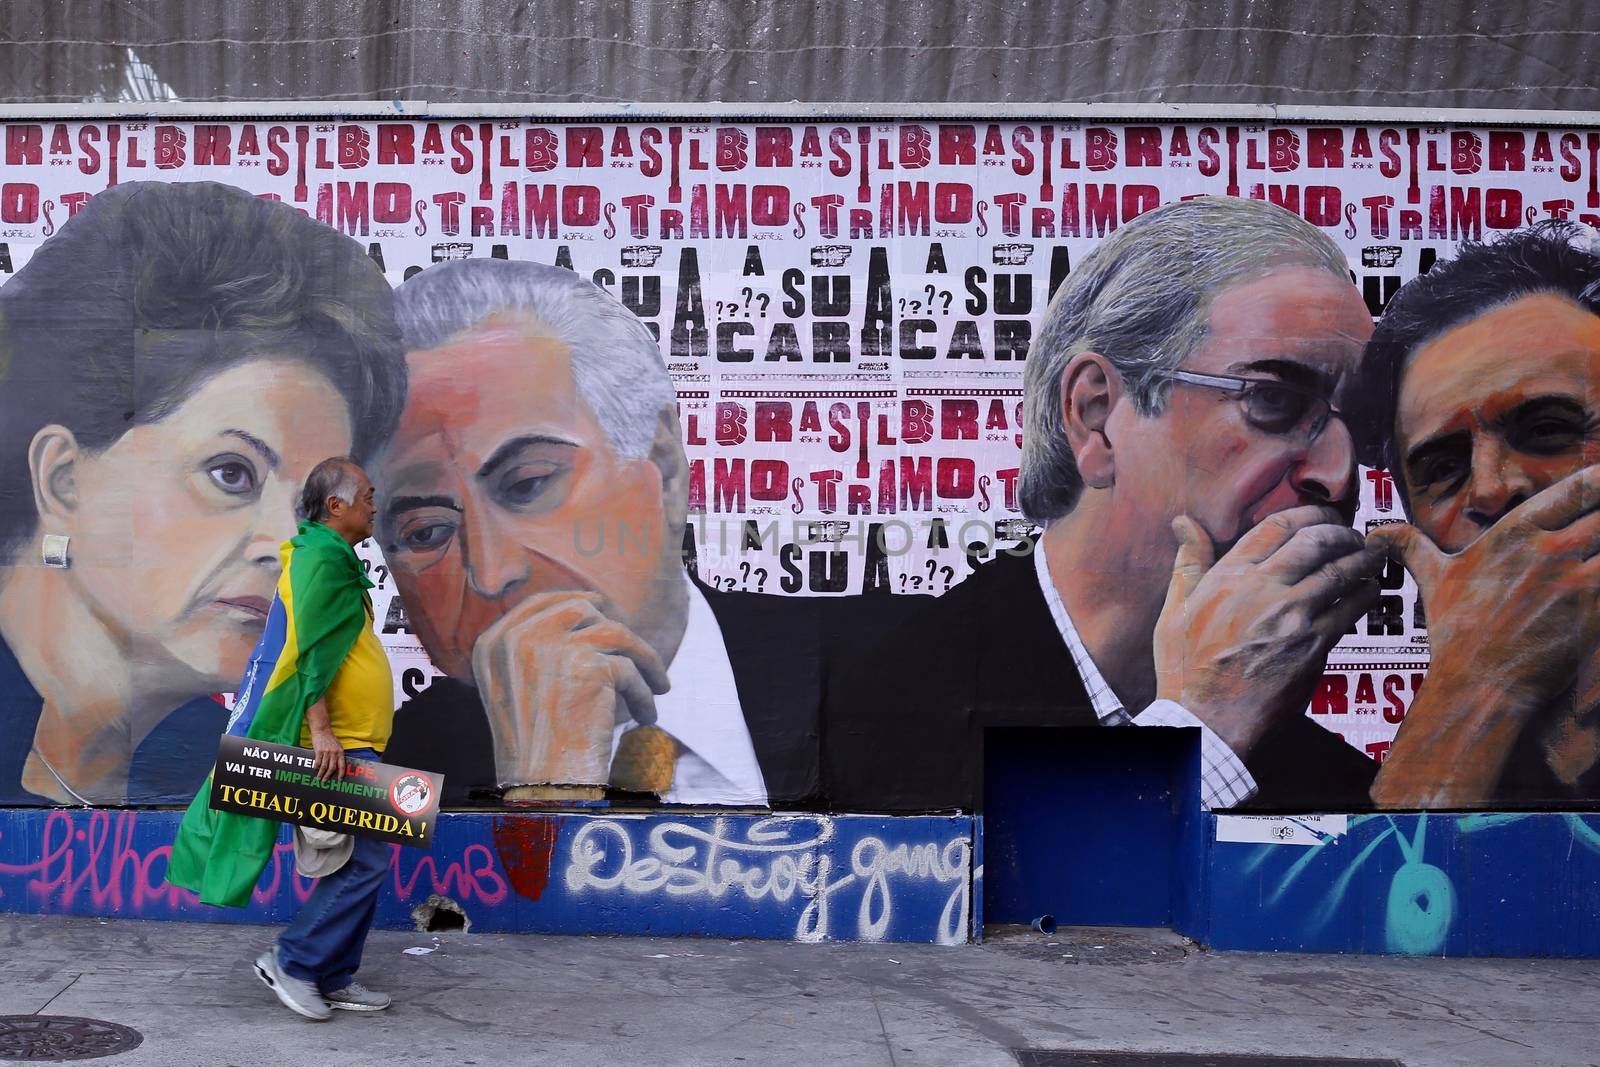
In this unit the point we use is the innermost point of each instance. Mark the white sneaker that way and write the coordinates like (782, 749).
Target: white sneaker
(298, 996)
(357, 997)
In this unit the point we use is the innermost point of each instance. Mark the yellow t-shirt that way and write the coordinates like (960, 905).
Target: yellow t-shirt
(361, 697)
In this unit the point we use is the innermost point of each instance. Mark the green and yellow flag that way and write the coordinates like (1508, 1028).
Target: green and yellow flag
(315, 618)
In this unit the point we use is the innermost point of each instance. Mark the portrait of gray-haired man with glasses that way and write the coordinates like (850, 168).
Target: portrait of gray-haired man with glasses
(1186, 456)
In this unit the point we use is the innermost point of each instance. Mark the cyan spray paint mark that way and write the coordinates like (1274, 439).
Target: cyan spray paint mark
(1421, 907)
(1422, 900)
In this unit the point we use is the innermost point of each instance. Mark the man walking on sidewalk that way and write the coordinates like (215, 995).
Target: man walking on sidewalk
(319, 678)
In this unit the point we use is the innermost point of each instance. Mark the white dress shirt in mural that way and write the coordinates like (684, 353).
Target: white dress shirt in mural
(718, 762)
(1224, 779)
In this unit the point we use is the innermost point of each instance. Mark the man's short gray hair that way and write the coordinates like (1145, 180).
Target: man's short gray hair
(1142, 299)
(616, 363)
(338, 476)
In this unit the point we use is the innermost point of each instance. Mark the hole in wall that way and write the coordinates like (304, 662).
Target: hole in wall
(440, 914)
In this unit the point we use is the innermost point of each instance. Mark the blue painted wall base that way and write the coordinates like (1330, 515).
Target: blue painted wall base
(1488, 884)
(805, 878)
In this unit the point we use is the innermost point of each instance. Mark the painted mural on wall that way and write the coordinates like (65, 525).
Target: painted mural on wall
(701, 458)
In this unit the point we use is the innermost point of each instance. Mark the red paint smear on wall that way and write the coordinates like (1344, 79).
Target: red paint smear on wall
(527, 844)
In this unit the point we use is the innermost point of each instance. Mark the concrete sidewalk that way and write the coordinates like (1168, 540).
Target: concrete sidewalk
(498, 999)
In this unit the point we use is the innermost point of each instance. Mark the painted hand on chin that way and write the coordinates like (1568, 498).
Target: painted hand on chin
(1487, 684)
(1540, 564)
(1242, 639)
(556, 676)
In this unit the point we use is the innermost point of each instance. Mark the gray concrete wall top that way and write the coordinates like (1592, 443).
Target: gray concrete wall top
(1535, 54)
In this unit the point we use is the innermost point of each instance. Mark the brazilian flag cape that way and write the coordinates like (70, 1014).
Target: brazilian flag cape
(315, 618)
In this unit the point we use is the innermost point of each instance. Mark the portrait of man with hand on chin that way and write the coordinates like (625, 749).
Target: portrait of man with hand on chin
(1187, 456)
(1482, 378)
(535, 500)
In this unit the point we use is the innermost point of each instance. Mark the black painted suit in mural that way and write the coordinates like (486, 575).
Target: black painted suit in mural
(784, 653)
(913, 740)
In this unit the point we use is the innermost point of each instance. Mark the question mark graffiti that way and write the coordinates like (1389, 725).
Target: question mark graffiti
(765, 301)
(949, 573)
(761, 579)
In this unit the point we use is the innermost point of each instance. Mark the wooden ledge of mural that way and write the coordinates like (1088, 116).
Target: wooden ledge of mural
(544, 794)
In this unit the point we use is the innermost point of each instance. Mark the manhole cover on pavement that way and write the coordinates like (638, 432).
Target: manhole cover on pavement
(53, 1038)
(1038, 1057)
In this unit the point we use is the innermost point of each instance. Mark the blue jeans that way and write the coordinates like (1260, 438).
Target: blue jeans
(324, 943)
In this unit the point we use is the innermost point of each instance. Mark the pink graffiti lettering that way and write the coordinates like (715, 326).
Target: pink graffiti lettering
(96, 862)
(91, 864)
(283, 862)
(475, 875)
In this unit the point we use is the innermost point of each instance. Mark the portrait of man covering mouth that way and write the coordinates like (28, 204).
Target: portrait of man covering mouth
(1187, 454)
(535, 501)
(1482, 380)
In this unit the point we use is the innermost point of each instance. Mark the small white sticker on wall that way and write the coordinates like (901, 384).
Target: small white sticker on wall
(1281, 829)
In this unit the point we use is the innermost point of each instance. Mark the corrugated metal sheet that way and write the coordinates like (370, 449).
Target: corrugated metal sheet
(1473, 55)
